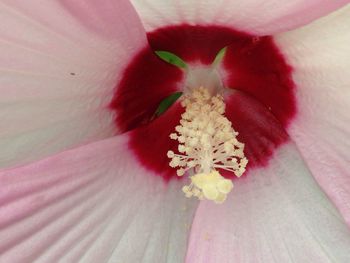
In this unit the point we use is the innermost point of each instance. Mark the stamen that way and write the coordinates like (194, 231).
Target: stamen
(207, 142)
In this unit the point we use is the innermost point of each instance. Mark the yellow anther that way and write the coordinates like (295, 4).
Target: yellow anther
(225, 186)
(220, 199)
(210, 192)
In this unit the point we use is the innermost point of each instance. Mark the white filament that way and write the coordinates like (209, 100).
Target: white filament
(207, 142)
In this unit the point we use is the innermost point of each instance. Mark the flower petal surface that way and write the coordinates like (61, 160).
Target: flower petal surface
(276, 214)
(60, 62)
(320, 56)
(252, 16)
(92, 204)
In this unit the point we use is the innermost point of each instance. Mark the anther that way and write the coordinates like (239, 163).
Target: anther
(207, 142)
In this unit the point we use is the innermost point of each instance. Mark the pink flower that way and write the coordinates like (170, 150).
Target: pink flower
(84, 176)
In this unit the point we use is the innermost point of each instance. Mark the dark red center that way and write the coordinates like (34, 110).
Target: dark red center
(260, 110)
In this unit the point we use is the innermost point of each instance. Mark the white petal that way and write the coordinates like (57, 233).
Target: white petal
(92, 204)
(274, 214)
(320, 56)
(253, 16)
(60, 62)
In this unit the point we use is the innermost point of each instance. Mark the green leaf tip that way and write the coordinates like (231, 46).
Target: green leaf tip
(166, 103)
(171, 59)
(220, 55)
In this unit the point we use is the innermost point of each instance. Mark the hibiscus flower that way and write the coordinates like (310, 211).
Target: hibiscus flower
(85, 175)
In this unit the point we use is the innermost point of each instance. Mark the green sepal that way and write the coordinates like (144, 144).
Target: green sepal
(171, 59)
(166, 103)
(219, 56)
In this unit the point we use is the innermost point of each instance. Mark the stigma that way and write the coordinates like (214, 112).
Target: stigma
(207, 143)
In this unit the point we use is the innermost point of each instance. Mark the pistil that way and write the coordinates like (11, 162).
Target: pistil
(207, 143)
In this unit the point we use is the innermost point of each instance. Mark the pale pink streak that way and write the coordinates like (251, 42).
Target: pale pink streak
(60, 62)
(262, 17)
(320, 55)
(94, 204)
(274, 214)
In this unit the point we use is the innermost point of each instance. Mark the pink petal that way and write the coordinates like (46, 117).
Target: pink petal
(320, 55)
(276, 214)
(253, 16)
(92, 204)
(59, 63)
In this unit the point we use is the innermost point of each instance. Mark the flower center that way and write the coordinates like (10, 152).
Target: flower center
(260, 108)
(207, 142)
